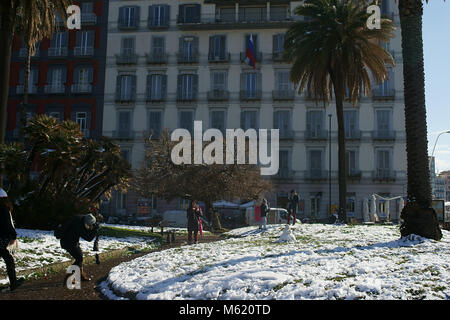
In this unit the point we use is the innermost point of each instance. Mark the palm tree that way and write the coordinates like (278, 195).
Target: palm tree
(332, 50)
(37, 21)
(418, 216)
(34, 20)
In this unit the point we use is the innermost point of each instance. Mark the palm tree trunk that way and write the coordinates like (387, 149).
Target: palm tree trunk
(418, 216)
(23, 109)
(6, 38)
(341, 160)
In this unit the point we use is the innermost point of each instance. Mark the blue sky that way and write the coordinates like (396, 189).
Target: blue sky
(436, 37)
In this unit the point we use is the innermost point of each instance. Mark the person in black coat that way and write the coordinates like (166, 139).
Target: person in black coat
(264, 211)
(85, 227)
(8, 237)
(294, 200)
(193, 216)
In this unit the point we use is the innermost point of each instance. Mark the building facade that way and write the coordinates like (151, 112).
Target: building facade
(445, 176)
(171, 63)
(66, 74)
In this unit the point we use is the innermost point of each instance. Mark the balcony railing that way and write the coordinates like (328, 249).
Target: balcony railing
(55, 88)
(319, 134)
(284, 173)
(258, 56)
(278, 57)
(384, 174)
(218, 95)
(83, 51)
(186, 96)
(126, 97)
(383, 94)
(157, 58)
(224, 19)
(31, 89)
(57, 52)
(123, 134)
(316, 174)
(155, 97)
(81, 88)
(383, 135)
(88, 18)
(187, 58)
(248, 95)
(353, 134)
(283, 95)
(158, 23)
(127, 58)
(221, 57)
(286, 133)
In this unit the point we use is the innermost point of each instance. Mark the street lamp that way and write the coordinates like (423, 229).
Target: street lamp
(432, 153)
(329, 168)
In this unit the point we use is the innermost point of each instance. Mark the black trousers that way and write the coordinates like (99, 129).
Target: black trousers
(75, 251)
(10, 266)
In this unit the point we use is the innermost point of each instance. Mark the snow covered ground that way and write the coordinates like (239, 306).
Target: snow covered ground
(324, 262)
(38, 248)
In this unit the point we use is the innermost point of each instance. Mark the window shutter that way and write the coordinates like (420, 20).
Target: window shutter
(180, 85)
(118, 86)
(166, 14)
(151, 15)
(275, 120)
(258, 82)
(91, 75)
(243, 120)
(195, 46)
(164, 86)
(136, 16)
(133, 87)
(275, 47)
(88, 120)
(181, 12)
(222, 47)
(64, 75)
(212, 52)
(181, 45)
(195, 86)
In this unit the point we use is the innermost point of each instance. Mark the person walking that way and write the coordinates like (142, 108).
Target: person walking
(264, 213)
(8, 239)
(193, 216)
(69, 234)
(294, 200)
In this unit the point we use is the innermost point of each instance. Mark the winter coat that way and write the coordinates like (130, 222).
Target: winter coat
(193, 218)
(293, 201)
(74, 229)
(7, 230)
(264, 210)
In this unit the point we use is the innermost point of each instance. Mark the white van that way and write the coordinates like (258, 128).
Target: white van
(275, 216)
(175, 218)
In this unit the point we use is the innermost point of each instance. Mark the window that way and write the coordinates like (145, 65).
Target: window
(218, 120)
(314, 124)
(84, 43)
(227, 14)
(350, 124)
(217, 48)
(127, 48)
(284, 163)
(125, 154)
(56, 79)
(278, 13)
(188, 49)
(126, 87)
(158, 46)
(351, 206)
(282, 82)
(129, 17)
(186, 120)
(155, 123)
(351, 162)
(83, 79)
(58, 44)
(32, 80)
(219, 80)
(249, 119)
(252, 14)
(278, 45)
(121, 201)
(383, 123)
(387, 87)
(383, 162)
(56, 115)
(281, 121)
(315, 163)
(159, 16)
(251, 85)
(189, 13)
(157, 84)
(124, 124)
(81, 120)
(187, 86)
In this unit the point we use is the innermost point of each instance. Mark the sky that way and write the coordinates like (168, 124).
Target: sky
(436, 38)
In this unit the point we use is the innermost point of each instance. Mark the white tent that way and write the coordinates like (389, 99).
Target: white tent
(247, 205)
(225, 204)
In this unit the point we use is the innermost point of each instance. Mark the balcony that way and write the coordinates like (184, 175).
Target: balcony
(81, 88)
(258, 56)
(57, 52)
(123, 135)
(383, 94)
(250, 95)
(286, 134)
(128, 24)
(218, 95)
(318, 134)
(55, 88)
(353, 174)
(384, 175)
(31, 89)
(158, 24)
(83, 51)
(187, 58)
(155, 97)
(283, 95)
(186, 96)
(316, 175)
(383, 135)
(125, 97)
(221, 57)
(278, 57)
(284, 173)
(126, 58)
(157, 58)
(228, 21)
(352, 134)
(88, 18)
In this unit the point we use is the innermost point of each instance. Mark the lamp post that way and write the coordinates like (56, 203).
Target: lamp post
(437, 138)
(431, 158)
(329, 166)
